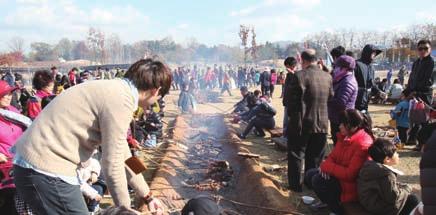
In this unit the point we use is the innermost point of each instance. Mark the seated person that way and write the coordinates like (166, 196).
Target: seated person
(378, 189)
(260, 117)
(335, 182)
(246, 103)
(90, 185)
(394, 94)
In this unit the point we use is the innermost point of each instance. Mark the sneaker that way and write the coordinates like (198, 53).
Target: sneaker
(318, 205)
(241, 136)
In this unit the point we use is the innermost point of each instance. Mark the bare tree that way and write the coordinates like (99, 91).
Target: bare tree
(96, 42)
(114, 49)
(243, 34)
(16, 44)
(253, 45)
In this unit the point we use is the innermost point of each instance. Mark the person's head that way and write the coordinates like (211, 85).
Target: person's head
(308, 57)
(273, 71)
(337, 52)
(74, 69)
(407, 94)
(369, 53)
(58, 78)
(5, 94)
(54, 70)
(424, 48)
(352, 120)
(46, 100)
(349, 53)
(244, 90)
(257, 93)
(384, 151)
(345, 62)
(152, 78)
(385, 80)
(64, 80)
(43, 80)
(202, 205)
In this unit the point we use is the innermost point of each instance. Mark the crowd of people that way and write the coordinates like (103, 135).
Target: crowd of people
(359, 168)
(66, 138)
(63, 143)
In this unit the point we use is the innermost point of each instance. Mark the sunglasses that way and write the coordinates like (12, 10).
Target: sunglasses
(423, 48)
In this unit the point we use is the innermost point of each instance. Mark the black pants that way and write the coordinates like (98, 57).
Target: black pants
(411, 202)
(304, 152)
(271, 89)
(259, 123)
(402, 133)
(327, 190)
(413, 134)
(7, 197)
(48, 195)
(334, 129)
(265, 90)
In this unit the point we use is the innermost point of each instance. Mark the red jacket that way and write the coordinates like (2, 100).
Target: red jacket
(345, 161)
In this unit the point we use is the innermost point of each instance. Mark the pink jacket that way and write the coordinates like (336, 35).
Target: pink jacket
(273, 78)
(9, 133)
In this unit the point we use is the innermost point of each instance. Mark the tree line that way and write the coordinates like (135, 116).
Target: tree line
(99, 47)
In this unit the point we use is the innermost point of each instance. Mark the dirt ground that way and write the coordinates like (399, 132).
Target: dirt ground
(270, 155)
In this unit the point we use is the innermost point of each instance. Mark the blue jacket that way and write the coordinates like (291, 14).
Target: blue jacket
(401, 114)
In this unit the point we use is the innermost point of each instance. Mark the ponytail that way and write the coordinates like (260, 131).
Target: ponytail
(367, 125)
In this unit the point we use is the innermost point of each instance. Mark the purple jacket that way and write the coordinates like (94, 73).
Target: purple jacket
(345, 96)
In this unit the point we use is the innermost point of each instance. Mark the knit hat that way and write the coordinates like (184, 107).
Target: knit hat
(5, 88)
(346, 61)
(202, 205)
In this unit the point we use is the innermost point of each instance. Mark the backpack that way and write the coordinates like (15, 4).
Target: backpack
(419, 112)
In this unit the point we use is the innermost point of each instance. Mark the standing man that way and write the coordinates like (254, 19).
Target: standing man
(421, 82)
(421, 77)
(307, 108)
(77, 122)
(401, 74)
(291, 66)
(265, 82)
(364, 73)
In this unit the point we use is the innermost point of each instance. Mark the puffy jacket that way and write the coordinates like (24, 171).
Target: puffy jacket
(345, 161)
(9, 133)
(428, 175)
(379, 191)
(344, 98)
(273, 78)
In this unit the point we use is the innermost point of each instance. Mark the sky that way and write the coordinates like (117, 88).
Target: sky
(209, 22)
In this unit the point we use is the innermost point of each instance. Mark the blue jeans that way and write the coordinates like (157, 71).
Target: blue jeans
(48, 195)
(101, 189)
(327, 190)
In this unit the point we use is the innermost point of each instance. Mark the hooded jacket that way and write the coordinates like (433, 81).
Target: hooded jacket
(364, 73)
(378, 189)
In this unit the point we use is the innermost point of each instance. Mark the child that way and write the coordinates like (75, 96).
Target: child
(378, 189)
(401, 115)
(91, 187)
(187, 101)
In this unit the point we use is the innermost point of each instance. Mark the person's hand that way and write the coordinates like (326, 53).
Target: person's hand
(324, 175)
(155, 206)
(94, 178)
(98, 198)
(3, 158)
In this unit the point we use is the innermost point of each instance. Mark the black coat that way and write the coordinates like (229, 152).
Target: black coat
(364, 73)
(421, 79)
(428, 176)
(287, 89)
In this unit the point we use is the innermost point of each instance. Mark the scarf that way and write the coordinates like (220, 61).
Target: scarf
(15, 118)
